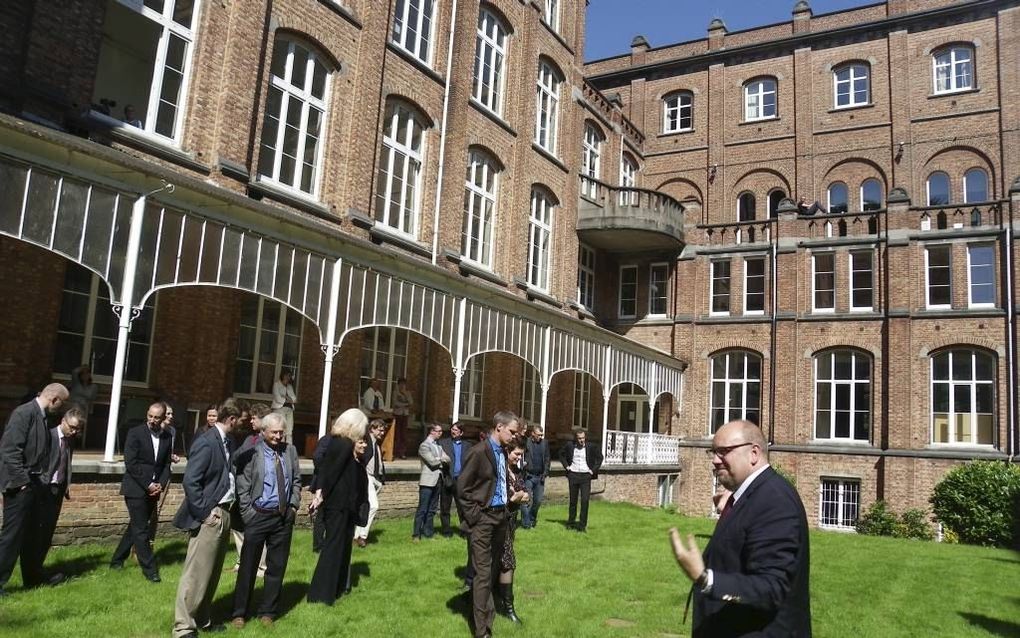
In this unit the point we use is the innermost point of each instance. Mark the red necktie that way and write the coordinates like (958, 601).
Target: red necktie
(726, 508)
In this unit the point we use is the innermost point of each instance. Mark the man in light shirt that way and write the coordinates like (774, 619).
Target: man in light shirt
(582, 461)
(284, 399)
(373, 402)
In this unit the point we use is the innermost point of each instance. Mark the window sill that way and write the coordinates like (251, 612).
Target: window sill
(381, 233)
(933, 96)
(774, 118)
(344, 12)
(851, 107)
(556, 34)
(582, 312)
(470, 268)
(234, 170)
(549, 156)
(416, 62)
(492, 115)
(257, 189)
(683, 131)
(534, 293)
(139, 139)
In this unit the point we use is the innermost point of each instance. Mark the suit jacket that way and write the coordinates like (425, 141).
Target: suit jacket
(537, 459)
(54, 461)
(366, 459)
(206, 480)
(343, 481)
(759, 557)
(446, 444)
(432, 458)
(251, 474)
(477, 481)
(141, 466)
(592, 456)
(317, 456)
(25, 446)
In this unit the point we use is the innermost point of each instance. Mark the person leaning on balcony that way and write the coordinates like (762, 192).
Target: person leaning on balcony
(753, 576)
(284, 400)
(582, 460)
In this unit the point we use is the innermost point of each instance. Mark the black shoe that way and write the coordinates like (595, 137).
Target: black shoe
(506, 592)
(117, 564)
(56, 579)
(581, 530)
(153, 578)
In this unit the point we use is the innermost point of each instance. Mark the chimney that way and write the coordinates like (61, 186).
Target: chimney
(801, 17)
(716, 34)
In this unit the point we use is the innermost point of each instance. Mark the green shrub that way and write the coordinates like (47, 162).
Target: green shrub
(977, 502)
(781, 471)
(877, 521)
(914, 524)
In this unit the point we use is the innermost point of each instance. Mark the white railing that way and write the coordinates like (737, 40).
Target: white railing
(641, 448)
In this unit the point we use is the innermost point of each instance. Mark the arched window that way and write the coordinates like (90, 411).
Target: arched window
(678, 112)
(591, 162)
(938, 189)
(490, 58)
(775, 196)
(412, 27)
(975, 186)
(398, 183)
(547, 106)
(953, 68)
(540, 240)
(838, 198)
(851, 85)
(760, 99)
(479, 208)
(963, 397)
(291, 149)
(842, 396)
(745, 207)
(736, 388)
(871, 195)
(628, 179)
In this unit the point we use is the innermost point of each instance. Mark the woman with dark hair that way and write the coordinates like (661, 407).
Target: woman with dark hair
(341, 488)
(518, 495)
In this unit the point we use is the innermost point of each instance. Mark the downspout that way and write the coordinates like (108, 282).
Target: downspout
(442, 136)
(774, 323)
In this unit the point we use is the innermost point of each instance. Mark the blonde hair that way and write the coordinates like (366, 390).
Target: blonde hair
(351, 424)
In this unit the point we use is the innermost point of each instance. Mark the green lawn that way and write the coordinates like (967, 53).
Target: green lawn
(619, 579)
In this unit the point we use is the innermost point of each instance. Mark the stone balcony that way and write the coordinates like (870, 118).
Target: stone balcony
(617, 219)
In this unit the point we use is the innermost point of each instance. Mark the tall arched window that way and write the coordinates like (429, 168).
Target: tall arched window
(591, 159)
(490, 58)
(842, 395)
(953, 68)
(963, 397)
(736, 388)
(398, 183)
(760, 99)
(540, 240)
(746, 208)
(938, 189)
(479, 208)
(838, 198)
(291, 149)
(975, 186)
(678, 112)
(413, 21)
(871, 195)
(775, 196)
(850, 84)
(547, 99)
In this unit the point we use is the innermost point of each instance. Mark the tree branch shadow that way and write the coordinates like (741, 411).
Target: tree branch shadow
(992, 625)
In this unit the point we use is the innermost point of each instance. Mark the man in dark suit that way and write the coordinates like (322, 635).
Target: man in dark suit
(484, 493)
(205, 514)
(753, 576)
(456, 449)
(582, 460)
(148, 452)
(536, 469)
(24, 459)
(375, 468)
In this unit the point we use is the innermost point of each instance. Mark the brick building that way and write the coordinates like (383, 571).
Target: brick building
(196, 196)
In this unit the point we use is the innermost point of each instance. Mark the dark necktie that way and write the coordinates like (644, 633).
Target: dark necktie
(375, 404)
(726, 508)
(280, 483)
(61, 471)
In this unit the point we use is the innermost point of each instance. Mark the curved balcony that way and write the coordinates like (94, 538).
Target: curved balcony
(620, 219)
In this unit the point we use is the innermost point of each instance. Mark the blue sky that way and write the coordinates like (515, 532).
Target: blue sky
(612, 24)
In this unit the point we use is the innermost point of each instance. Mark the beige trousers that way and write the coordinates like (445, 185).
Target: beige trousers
(201, 575)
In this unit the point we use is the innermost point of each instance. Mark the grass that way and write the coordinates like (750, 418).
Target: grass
(618, 580)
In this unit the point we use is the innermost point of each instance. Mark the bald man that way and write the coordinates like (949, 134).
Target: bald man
(753, 576)
(24, 462)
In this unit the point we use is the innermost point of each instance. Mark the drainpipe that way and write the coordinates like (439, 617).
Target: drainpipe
(442, 140)
(774, 324)
(1011, 431)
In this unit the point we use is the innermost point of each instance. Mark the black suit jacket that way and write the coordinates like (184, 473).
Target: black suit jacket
(342, 479)
(25, 446)
(592, 456)
(141, 466)
(477, 481)
(206, 480)
(759, 557)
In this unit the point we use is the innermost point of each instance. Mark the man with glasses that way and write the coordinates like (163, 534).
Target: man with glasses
(753, 576)
(433, 458)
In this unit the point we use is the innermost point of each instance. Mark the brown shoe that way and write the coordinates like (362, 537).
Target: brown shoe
(361, 542)
(238, 623)
(267, 621)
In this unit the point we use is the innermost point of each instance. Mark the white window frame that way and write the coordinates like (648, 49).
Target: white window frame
(481, 250)
(815, 290)
(927, 276)
(653, 293)
(972, 384)
(832, 382)
(586, 276)
(547, 97)
(855, 71)
(472, 385)
(551, 14)
(967, 176)
(712, 294)
(632, 393)
(490, 54)
(952, 60)
(531, 393)
(540, 239)
(853, 269)
(394, 357)
(421, 45)
(628, 179)
(280, 330)
(949, 189)
(847, 495)
(828, 195)
(759, 89)
(747, 278)
(863, 199)
(730, 412)
(970, 275)
(632, 295)
(591, 160)
(582, 400)
(403, 120)
(304, 98)
(674, 106)
(740, 206)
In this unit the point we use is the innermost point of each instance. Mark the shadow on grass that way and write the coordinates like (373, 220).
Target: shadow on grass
(358, 570)
(460, 604)
(79, 565)
(291, 595)
(171, 553)
(373, 535)
(992, 625)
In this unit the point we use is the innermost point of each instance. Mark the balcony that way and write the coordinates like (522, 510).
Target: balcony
(639, 448)
(620, 219)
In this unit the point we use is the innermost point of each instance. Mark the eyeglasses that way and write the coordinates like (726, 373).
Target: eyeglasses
(721, 452)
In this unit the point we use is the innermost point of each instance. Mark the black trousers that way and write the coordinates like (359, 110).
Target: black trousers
(137, 533)
(330, 577)
(272, 531)
(488, 536)
(449, 496)
(580, 488)
(24, 512)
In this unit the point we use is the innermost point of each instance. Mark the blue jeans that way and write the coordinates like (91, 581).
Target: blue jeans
(425, 516)
(535, 485)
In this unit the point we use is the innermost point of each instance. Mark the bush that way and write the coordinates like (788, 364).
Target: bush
(877, 521)
(781, 471)
(976, 501)
(914, 524)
